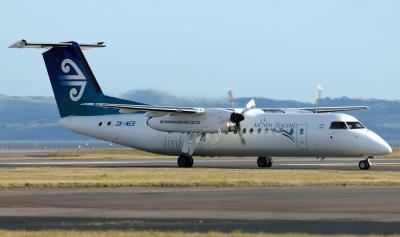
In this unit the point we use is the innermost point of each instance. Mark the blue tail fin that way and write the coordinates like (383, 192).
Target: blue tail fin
(73, 83)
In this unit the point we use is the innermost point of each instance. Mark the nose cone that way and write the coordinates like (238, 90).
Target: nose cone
(385, 148)
(379, 146)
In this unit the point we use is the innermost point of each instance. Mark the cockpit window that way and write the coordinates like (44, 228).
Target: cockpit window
(354, 125)
(338, 125)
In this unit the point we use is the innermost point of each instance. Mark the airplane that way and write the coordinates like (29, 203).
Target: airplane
(193, 131)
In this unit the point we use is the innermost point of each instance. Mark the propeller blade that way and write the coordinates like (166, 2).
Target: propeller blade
(250, 105)
(230, 97)
(240, 132)
(318, 97)
(236, 118)
(319, 90)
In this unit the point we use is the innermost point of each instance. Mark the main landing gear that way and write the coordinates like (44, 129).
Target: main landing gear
(189, 144)
(185, 161)
(365, 164)
(264, 162)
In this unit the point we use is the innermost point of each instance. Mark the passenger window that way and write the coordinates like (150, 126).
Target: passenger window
(259, 130)
(244, 130)
(338, 125)
(251, 130)
(301, 131)
(108, 123)
(354, 125)
(101, 123)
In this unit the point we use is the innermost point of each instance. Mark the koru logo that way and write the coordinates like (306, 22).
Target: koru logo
(77, 81)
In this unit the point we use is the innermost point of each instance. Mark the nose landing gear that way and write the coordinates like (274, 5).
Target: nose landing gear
(264, 162)
(364, 164)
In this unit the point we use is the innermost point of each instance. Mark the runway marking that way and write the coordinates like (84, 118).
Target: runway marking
(61, 163)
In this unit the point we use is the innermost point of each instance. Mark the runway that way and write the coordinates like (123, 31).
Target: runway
(392, 163)
(317, 210)
(276, 210)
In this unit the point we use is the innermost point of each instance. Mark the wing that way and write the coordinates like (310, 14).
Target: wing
(334, 109)
(313, 110)
(127, 108)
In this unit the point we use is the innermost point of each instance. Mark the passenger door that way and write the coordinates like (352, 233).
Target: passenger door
(301, 138)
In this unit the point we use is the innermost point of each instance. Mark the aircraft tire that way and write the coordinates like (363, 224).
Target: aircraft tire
(182, 161)
(262, 162)
(190, 162)
(364, 164)
(185, 161)
(269, 162)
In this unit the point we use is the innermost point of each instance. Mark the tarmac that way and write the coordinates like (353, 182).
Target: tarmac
(274, 210)
(340, 163)
(316, 210)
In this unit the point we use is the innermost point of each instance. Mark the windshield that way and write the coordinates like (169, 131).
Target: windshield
(354, 125)
(338, 125)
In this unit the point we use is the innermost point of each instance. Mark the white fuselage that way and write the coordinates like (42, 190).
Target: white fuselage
(267, 134)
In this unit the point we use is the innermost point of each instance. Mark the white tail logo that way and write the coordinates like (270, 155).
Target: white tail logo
(78, 80)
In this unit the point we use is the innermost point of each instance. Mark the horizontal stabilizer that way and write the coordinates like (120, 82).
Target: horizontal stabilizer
(40, 45)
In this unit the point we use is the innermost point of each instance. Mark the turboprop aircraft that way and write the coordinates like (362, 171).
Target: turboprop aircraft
(192, 131)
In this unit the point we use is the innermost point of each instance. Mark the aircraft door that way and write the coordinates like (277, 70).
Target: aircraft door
(301, 139)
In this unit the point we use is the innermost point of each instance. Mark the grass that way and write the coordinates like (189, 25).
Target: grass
(60, 177)
(56, 233)
(97, 154)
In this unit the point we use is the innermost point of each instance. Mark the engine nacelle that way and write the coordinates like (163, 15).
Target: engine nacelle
(211, 121)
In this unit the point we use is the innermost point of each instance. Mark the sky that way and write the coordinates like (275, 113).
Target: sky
(280, 49)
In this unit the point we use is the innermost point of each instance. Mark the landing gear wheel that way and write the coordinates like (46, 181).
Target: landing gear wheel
(269, 162)
(364, 164)
(185, 161)
(264, 162)
(190, 163)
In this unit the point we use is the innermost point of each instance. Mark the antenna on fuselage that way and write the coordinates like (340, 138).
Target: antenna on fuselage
(318, 98)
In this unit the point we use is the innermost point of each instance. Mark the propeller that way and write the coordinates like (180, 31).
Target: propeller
(318, 97)
(230, 97)
(236, 117)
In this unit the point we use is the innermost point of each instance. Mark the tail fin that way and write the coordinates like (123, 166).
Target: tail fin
(74, 83)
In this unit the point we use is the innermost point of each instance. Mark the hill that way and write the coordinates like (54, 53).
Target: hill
(36, 117)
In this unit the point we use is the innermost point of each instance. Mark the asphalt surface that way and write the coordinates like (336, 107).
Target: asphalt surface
(276, 210)
(337, 163)
(343, 210)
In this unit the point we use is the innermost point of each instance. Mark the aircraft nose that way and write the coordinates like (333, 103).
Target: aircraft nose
(381, 147)
(386, 148)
